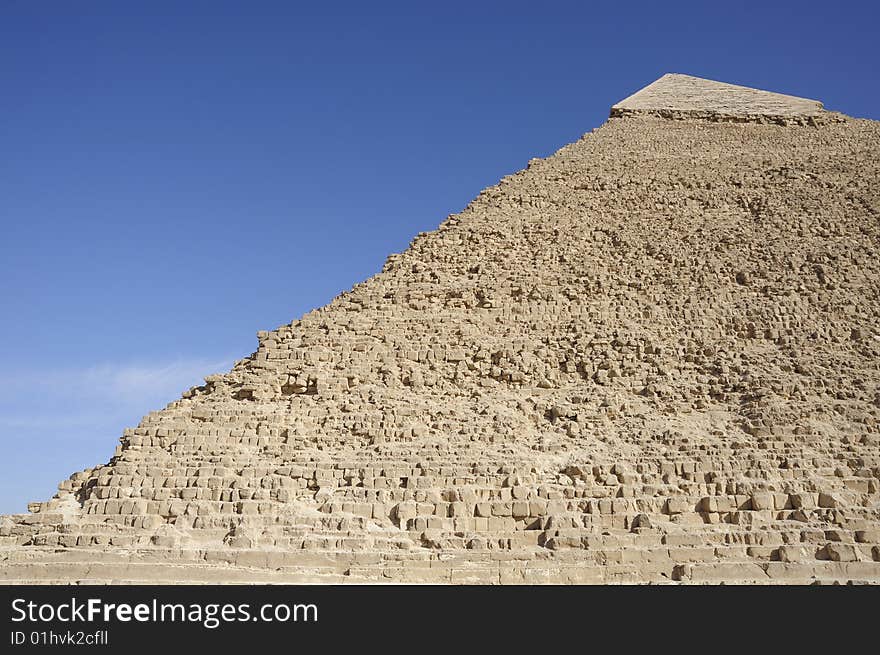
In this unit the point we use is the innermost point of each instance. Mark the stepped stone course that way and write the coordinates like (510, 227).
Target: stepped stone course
(653, 356)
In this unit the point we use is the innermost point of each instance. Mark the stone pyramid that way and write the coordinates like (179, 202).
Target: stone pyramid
(653, 356)
(675, 95)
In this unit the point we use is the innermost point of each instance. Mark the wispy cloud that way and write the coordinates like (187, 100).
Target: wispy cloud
(112, 382)
(55, 421)
(137, 381)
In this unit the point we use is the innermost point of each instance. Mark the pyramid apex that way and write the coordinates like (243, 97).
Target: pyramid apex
(679, 95)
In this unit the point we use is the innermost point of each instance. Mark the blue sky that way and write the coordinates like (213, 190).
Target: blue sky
(175, 176)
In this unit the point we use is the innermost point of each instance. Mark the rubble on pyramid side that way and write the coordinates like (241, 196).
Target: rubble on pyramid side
(675, 95)
(652, 356)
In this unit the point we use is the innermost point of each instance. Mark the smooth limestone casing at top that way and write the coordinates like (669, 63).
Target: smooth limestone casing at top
(650, 357)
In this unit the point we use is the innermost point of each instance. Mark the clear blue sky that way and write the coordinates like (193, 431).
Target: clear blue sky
(175, 176)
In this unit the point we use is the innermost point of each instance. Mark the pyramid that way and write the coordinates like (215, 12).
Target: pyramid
(651, 357)
(676, 95)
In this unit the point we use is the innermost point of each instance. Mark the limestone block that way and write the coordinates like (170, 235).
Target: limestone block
(763, 501)
(838, 552)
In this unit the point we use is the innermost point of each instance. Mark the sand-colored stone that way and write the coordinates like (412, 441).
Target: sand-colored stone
(651, 357)
(675, 95)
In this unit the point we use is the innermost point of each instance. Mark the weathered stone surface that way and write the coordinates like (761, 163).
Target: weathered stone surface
(650, 357)
(676, 95)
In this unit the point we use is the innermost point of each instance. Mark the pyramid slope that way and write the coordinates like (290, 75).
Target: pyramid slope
(683, 93)
(652, 356)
